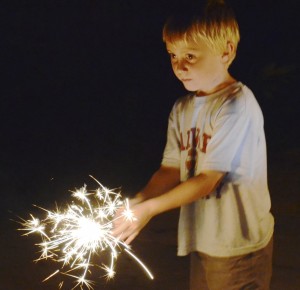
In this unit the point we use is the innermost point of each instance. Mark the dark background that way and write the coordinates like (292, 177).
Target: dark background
(87, 87)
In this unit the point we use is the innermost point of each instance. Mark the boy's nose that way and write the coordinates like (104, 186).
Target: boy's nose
(181, 66)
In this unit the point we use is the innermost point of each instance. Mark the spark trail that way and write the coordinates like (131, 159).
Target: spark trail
(74, 235)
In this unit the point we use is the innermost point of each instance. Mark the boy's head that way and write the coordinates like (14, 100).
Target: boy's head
(211, 22)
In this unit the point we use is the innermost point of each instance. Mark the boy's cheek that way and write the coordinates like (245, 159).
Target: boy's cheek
(175, 73)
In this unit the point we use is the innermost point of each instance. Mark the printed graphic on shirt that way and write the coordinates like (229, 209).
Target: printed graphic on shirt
(192, 140)
(195, 142)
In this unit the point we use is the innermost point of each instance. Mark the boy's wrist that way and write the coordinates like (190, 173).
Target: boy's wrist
(151, 207)
(138, 198)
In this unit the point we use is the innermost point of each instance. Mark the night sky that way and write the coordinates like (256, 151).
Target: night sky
(87, 87)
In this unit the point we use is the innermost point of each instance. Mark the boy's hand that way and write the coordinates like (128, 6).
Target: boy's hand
(126, 229)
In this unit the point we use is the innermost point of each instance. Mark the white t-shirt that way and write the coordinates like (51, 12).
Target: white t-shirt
(222, 132)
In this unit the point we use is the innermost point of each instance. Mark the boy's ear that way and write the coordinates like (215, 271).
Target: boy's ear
(229, 53)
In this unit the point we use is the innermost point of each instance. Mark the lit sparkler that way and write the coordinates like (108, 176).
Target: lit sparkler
(73, 235)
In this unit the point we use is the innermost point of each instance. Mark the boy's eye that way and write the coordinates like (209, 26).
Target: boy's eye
(172, 55)
(190, 57)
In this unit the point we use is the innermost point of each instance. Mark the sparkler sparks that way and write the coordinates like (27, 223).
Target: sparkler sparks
(72, 236)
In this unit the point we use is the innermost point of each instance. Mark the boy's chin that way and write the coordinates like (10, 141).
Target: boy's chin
(190, 88)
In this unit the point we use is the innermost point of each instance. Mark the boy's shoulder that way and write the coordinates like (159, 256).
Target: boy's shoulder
(183, 101)
(185, 98)
(235, 98)
(231, 92)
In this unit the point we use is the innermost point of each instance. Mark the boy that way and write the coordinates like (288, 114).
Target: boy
(214, 163)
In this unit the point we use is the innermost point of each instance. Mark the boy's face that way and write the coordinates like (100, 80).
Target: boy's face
(197, 66)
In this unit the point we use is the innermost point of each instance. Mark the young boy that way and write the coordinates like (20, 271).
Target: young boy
(214, 163)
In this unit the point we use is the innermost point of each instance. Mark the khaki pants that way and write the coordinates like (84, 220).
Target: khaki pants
(247, 272)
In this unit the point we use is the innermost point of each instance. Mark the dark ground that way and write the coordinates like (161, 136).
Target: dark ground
(87, 89)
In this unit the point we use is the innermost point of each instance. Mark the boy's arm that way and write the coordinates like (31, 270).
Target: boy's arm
(184, 193)
(189, 191)
(164, 179)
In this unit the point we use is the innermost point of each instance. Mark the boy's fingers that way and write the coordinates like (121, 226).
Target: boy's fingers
(131, 238)
(118, 214)
(117, 231)
(125, 233)
(117, 223)
(124, 230)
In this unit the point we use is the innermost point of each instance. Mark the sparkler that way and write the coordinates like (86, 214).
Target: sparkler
(72, 236)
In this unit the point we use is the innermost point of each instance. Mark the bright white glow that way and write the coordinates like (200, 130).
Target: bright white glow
(73, 235)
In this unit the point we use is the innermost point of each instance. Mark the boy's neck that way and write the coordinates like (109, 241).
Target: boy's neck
(229, 80)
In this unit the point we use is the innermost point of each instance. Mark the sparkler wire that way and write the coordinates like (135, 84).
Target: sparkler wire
(72, 236)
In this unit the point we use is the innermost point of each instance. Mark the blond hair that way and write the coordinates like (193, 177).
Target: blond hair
(214, 23)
